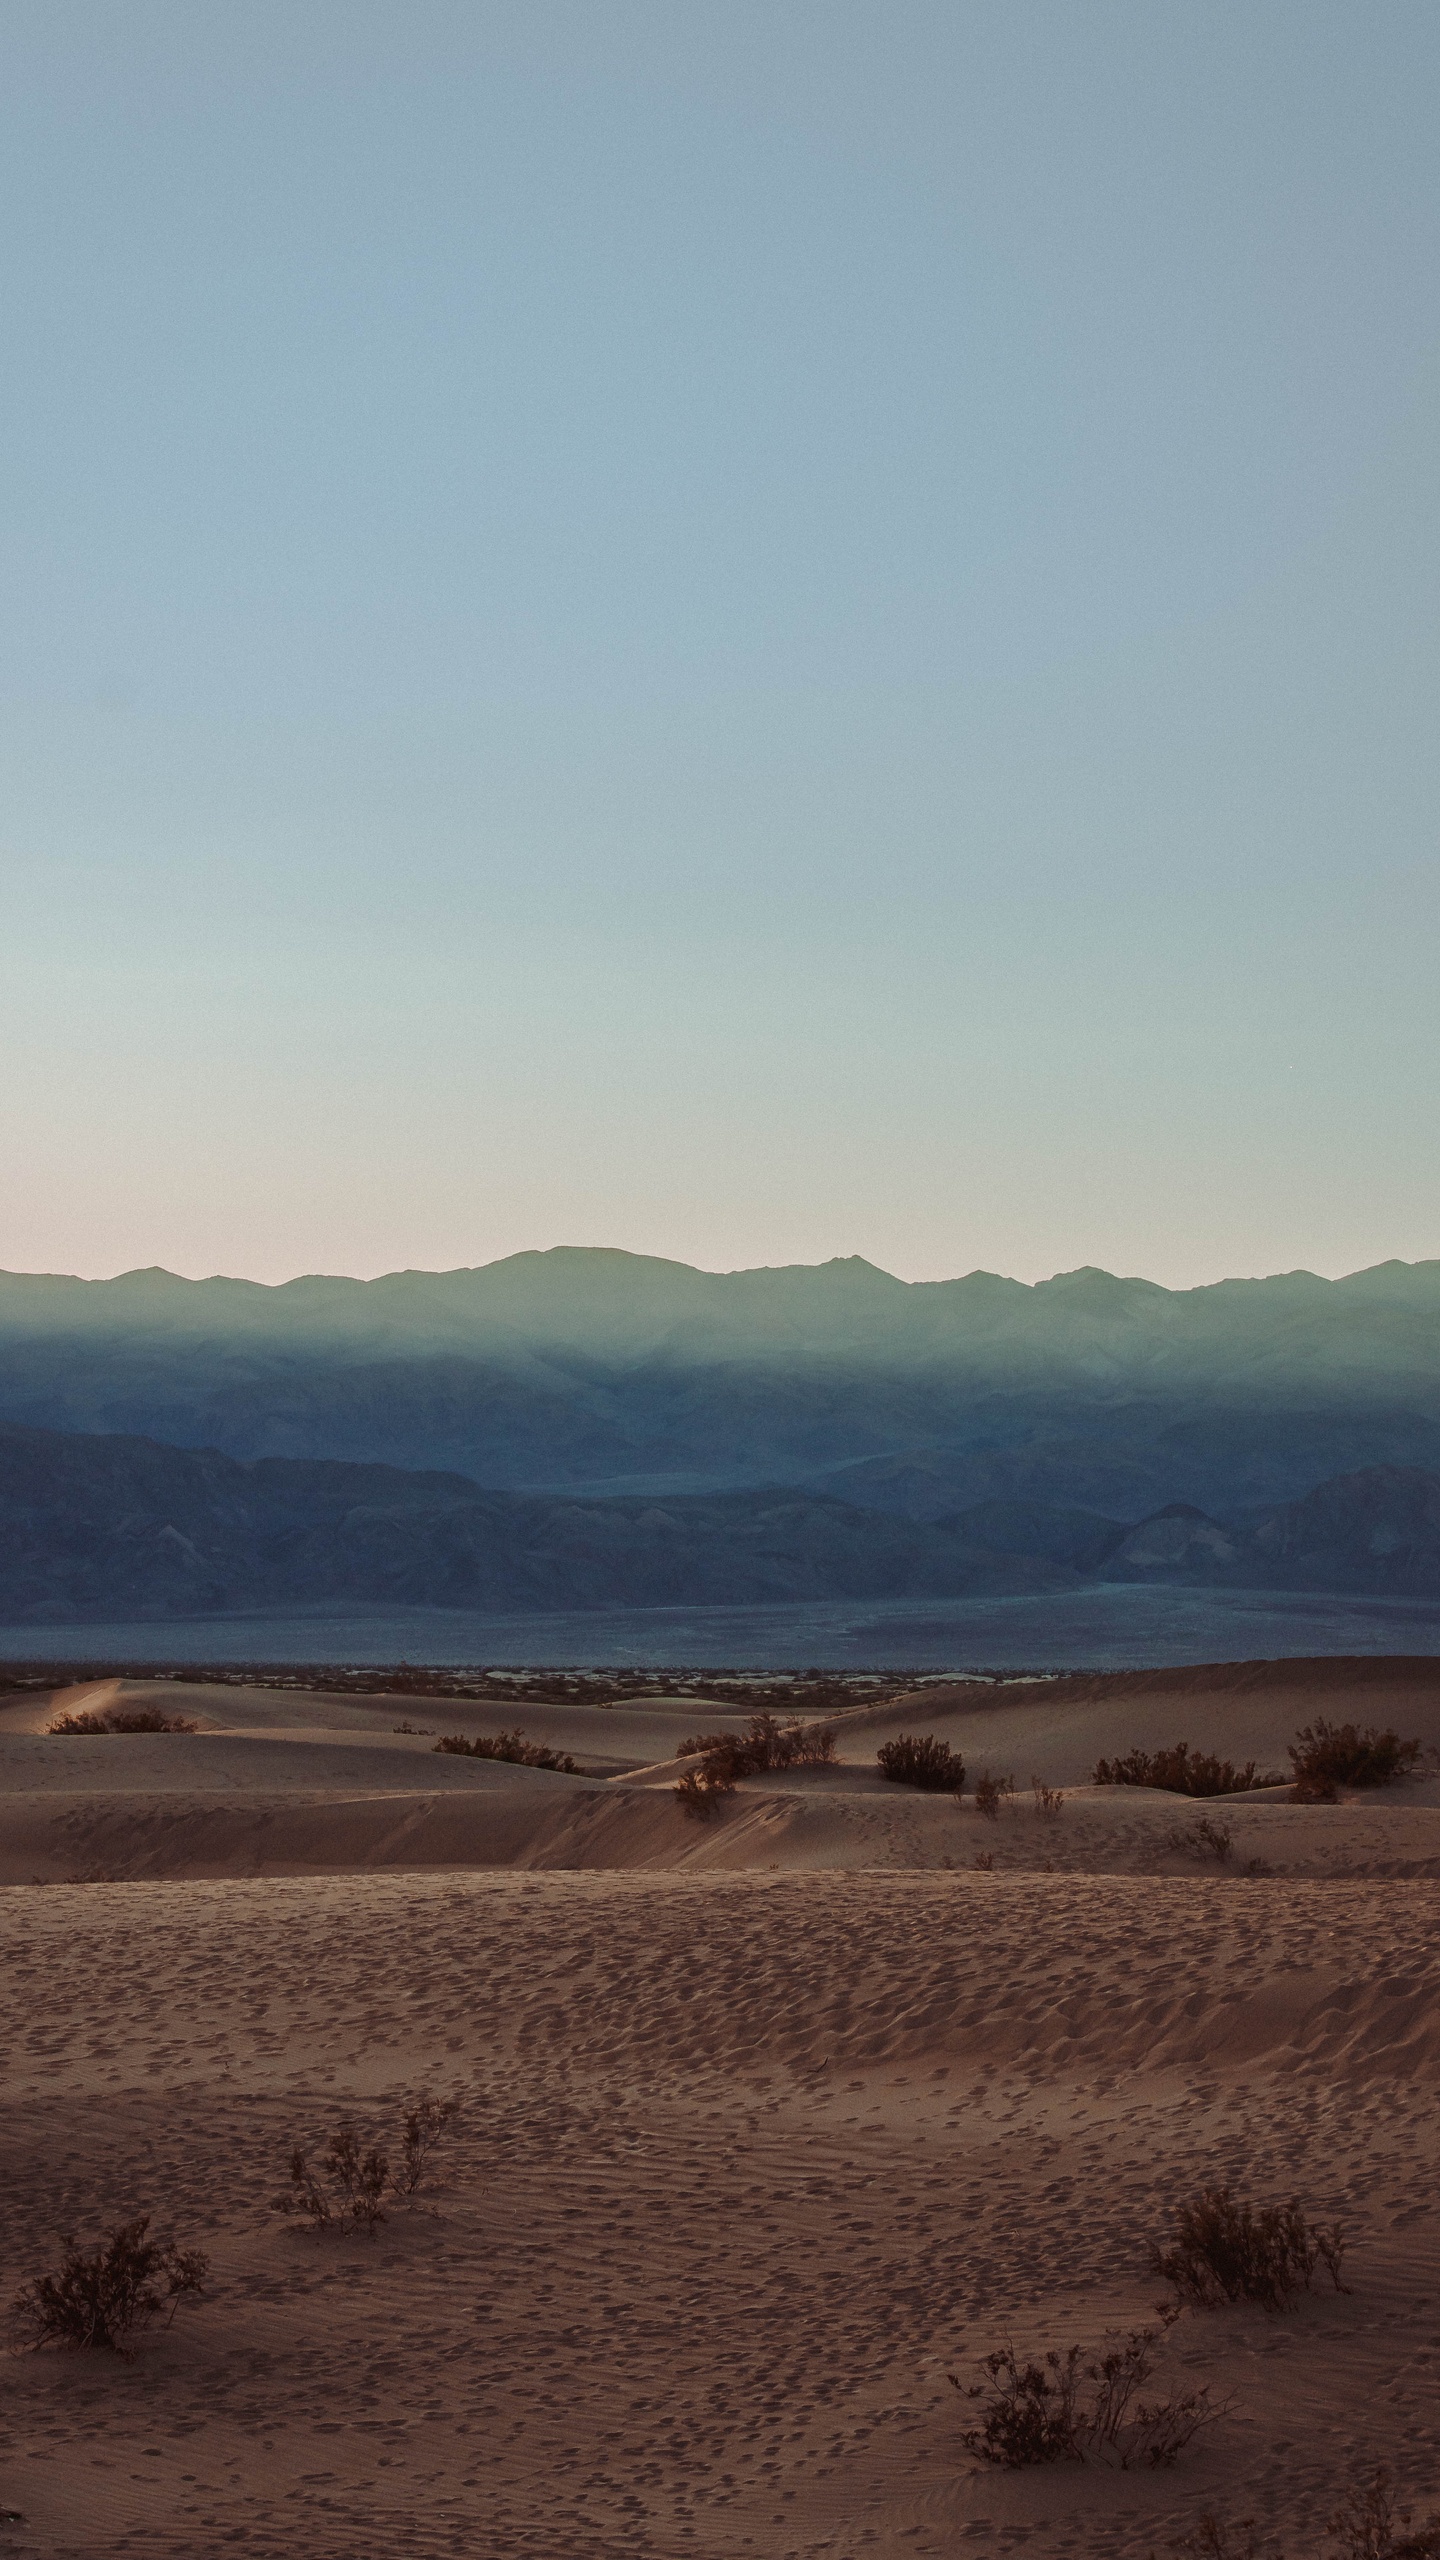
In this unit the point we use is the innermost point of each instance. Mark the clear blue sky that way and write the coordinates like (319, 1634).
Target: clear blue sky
(745, 631)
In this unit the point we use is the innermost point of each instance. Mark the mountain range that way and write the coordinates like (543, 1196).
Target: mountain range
(563, 1428)
(605, 1372)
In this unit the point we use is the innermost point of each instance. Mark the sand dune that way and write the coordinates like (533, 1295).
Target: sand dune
(765, 2124)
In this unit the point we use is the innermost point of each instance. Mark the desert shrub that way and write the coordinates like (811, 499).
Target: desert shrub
(124, 1720)
(408, 1727)
(1325, 1756)
(509, 1746)
(105, 2296)
(421, 2128)
(985, 1861)
(1049, 1801)
(1367, 2524)
(1211, 2540)
(922, 1760)
(764, 1745)
(1042, 2411)
(990, 1794)
(1183, 1772)
(348, 2188)
(1203, 1839)
(1228, 2251)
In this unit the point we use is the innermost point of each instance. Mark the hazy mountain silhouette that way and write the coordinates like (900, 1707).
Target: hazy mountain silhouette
(614, 1372)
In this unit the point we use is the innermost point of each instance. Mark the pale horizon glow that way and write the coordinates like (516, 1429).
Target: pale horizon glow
(752, 634)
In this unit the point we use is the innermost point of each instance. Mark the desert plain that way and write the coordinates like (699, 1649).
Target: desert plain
(765, 2124)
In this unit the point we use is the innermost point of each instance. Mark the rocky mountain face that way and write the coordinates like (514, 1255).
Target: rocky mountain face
(96, 1527)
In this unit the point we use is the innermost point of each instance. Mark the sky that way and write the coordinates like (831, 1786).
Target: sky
(744, 631)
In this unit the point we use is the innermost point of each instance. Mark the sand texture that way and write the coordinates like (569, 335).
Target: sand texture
(764, 2125)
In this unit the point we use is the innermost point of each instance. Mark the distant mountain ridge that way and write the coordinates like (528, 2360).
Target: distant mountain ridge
(112, 1527)
(601, 1372)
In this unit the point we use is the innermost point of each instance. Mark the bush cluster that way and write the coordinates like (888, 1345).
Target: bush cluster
(1327, 1756)
(509, 1746)
(1042, 2411)
(1228, 2251)
(123, 1720)
(349, 2187)
(764, 1745)
(104, 2297)
(922, 1760)
(1183, 1772)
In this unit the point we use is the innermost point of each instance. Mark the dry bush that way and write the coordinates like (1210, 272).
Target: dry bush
(1327, 1756)
(1203, 1839)
(1211, 2540)
(509, 1746)
(985, 1861)
(1049, 1801)
(990, 1794)
(924, 1761)
(1228, 2251)
(764, 1745)
(1183, 1772)
(105, 2296)
(348, 2189)
(1367, 2524)
(1041, 2411)
(420, 2129)
(408, 1727)
(124, 1720)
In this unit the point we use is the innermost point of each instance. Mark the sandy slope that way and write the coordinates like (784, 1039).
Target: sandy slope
(746, 2160)
(277, 1784)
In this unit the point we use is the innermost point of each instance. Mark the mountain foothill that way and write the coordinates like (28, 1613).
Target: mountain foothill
(580, 1428)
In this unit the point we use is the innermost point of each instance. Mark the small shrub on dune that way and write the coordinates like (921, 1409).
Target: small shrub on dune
(1049, 1801)
(765, 1745)
(509, 1746)
(1228, 2251)
(1328, 1756)
(1041, 2411)
(105, 2296)
(348, 2188)
(1203, 1839)
(124, 1720)
(1367, 2524)
(421, 2128)
(922, 1760)
(1183, 1772)
(990, 1794)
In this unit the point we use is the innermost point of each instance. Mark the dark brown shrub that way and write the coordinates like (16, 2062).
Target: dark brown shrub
(1049, 1801)
(985, 1861)
(1203, 1839)
(124, 1720)
(1183, 1772)
(922, 1760)
(421, 2127)
(764, 1745)
(1040, 2411)
(1226, 2251)
(1367, 2524)
(1325, 1756)
(347, 2192)
(990, 1794)
(509, 1746)
(103, 2297)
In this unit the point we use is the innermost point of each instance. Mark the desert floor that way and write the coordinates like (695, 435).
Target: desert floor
(765, 2123)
